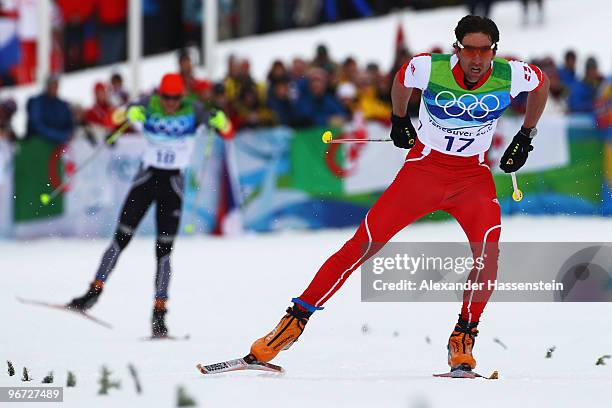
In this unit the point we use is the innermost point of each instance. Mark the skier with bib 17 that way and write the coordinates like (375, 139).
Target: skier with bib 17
(464, 94)
(169, 123)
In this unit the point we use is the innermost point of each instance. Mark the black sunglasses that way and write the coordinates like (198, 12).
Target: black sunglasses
(171, 97)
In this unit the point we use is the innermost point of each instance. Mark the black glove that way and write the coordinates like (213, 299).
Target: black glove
(403, 133)
(516, 153)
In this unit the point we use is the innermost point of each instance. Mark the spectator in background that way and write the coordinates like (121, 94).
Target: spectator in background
(298, 75)
(251, 112)
(80, 43)
(49, 117)
(276, 72)
(112, 15)
(299, 69)
(8, 107)
(230, 83)
(186, 70)
(316, 106)
(322, 60)
(582, 93)
(526, 11)
(383, 89)
(239, 77)
(78, 118)
(203, 91)
(480, 8)
(101, 113)
(221, 101)
(245, 78)
(346, 93)
(348, 71)
(372, 107)
(567, 73)
(280, 101)
(117, 95)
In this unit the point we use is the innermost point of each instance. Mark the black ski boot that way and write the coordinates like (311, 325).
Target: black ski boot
(158, 324)
(86, 301)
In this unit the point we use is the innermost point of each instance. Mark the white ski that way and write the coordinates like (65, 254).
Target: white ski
(248, 362)
(459, 373)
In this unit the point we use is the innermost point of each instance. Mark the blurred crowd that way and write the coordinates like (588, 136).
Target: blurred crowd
(313, 90)
(303, 92)
(87, 33)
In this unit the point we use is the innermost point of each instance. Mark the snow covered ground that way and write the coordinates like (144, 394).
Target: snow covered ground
(228, 291)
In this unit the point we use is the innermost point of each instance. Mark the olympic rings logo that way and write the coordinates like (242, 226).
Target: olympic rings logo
(173, 126)
(467, 103)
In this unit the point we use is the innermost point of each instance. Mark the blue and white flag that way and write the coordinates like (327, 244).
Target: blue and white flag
(10, 49)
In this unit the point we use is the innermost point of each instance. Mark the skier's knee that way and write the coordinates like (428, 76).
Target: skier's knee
(123, 235)
(164, 245)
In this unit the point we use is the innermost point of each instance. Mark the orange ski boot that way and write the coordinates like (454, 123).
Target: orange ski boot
(286, 332)
(460, 345)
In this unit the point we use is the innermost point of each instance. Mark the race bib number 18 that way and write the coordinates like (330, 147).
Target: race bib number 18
(166, 157)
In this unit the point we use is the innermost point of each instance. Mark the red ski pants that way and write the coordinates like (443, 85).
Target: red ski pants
(428, 181)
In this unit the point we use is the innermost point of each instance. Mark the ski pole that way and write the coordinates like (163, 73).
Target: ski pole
(517, 194)
(329, 138)
(45, 198)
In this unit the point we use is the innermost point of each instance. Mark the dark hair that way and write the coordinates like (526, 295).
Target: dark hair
(591, 62)
(116, 77)
(183, 54)
(570, 54)
(476, 24)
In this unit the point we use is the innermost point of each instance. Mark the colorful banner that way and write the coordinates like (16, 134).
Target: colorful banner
(334, 185)
(37, 170)
(281, 178)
